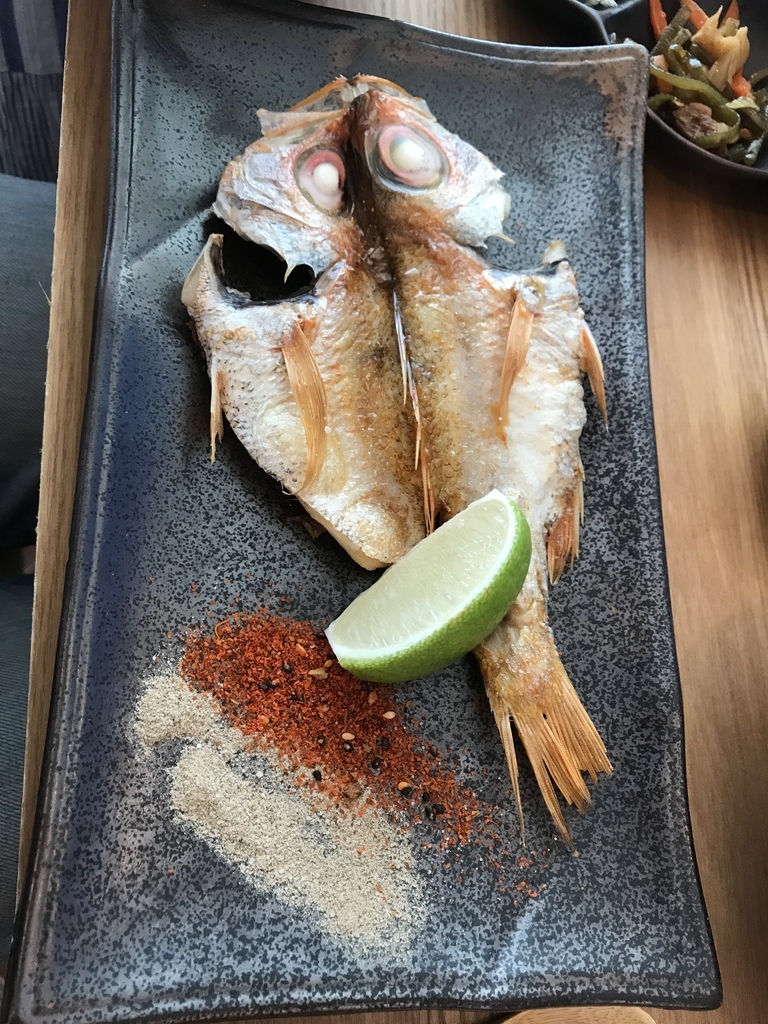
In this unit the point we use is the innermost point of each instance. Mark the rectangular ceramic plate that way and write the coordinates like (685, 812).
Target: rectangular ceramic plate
(129, 916)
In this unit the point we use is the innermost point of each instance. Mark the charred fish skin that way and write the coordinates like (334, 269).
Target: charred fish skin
(497, 361)
(311, 386)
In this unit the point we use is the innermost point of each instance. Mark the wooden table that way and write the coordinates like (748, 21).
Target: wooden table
(707, 295)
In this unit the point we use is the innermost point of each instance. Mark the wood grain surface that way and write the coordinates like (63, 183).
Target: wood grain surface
(707, 298)
(81, 204)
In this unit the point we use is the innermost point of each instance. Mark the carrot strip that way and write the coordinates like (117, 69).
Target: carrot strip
(740, 85)
(732, 12)
(658, 17)
(697, 16)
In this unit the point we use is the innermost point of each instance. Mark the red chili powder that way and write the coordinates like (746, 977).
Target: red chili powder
(278, 681)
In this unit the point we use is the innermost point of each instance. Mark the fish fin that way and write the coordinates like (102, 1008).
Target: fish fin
(430, 508)
(593, 367)
(563, 534)
(421, 458)
(216, 418)
(422, 462)
(192, 281)
(316, 99)
(503, 724)
(518, 340)
(402, 350)
(309, 392)
(525, 680)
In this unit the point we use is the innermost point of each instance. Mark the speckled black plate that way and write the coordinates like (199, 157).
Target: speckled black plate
(127, 916)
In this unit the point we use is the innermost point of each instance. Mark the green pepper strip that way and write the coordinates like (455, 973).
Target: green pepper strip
(758, 122)
(701, 54)
(758, 76)
(660, 99)
(711, 96)
(669, 35)
(737, 153)
(728, 134)
(679, 63)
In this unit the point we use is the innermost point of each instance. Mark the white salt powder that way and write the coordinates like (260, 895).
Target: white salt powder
(351, 873)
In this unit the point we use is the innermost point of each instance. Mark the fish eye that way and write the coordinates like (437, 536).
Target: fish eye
(321, 175)
(405, 158)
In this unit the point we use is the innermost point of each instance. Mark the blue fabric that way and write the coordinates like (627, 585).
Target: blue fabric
(26, 213)
(32, 34)
(15, 626)
(26, 251)
(10, 37)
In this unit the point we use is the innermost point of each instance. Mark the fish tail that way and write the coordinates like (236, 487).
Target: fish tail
(527, 684)
(504, 725)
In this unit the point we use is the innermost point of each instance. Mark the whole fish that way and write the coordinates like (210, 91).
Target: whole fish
(496, 360)
(311, 384)
(491, 364)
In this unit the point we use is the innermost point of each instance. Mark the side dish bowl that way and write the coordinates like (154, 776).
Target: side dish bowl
(629, 19)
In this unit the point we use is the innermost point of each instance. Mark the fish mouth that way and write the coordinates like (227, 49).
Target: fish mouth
(253, 273)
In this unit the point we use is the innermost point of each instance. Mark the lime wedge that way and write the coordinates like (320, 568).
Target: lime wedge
(440, 600)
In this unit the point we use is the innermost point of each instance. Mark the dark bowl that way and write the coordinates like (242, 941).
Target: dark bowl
(630, 20)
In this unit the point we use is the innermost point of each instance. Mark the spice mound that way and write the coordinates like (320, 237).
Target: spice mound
(276, 680)
(353, 876)
(319, 787)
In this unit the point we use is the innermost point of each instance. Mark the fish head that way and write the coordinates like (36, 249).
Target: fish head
(288, 191)
(424, 173)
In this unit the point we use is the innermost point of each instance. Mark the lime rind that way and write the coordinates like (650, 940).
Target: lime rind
(449, 636)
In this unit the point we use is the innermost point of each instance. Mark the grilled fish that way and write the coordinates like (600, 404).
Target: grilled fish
(312, 385)
(490, 362)
(496, 360)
